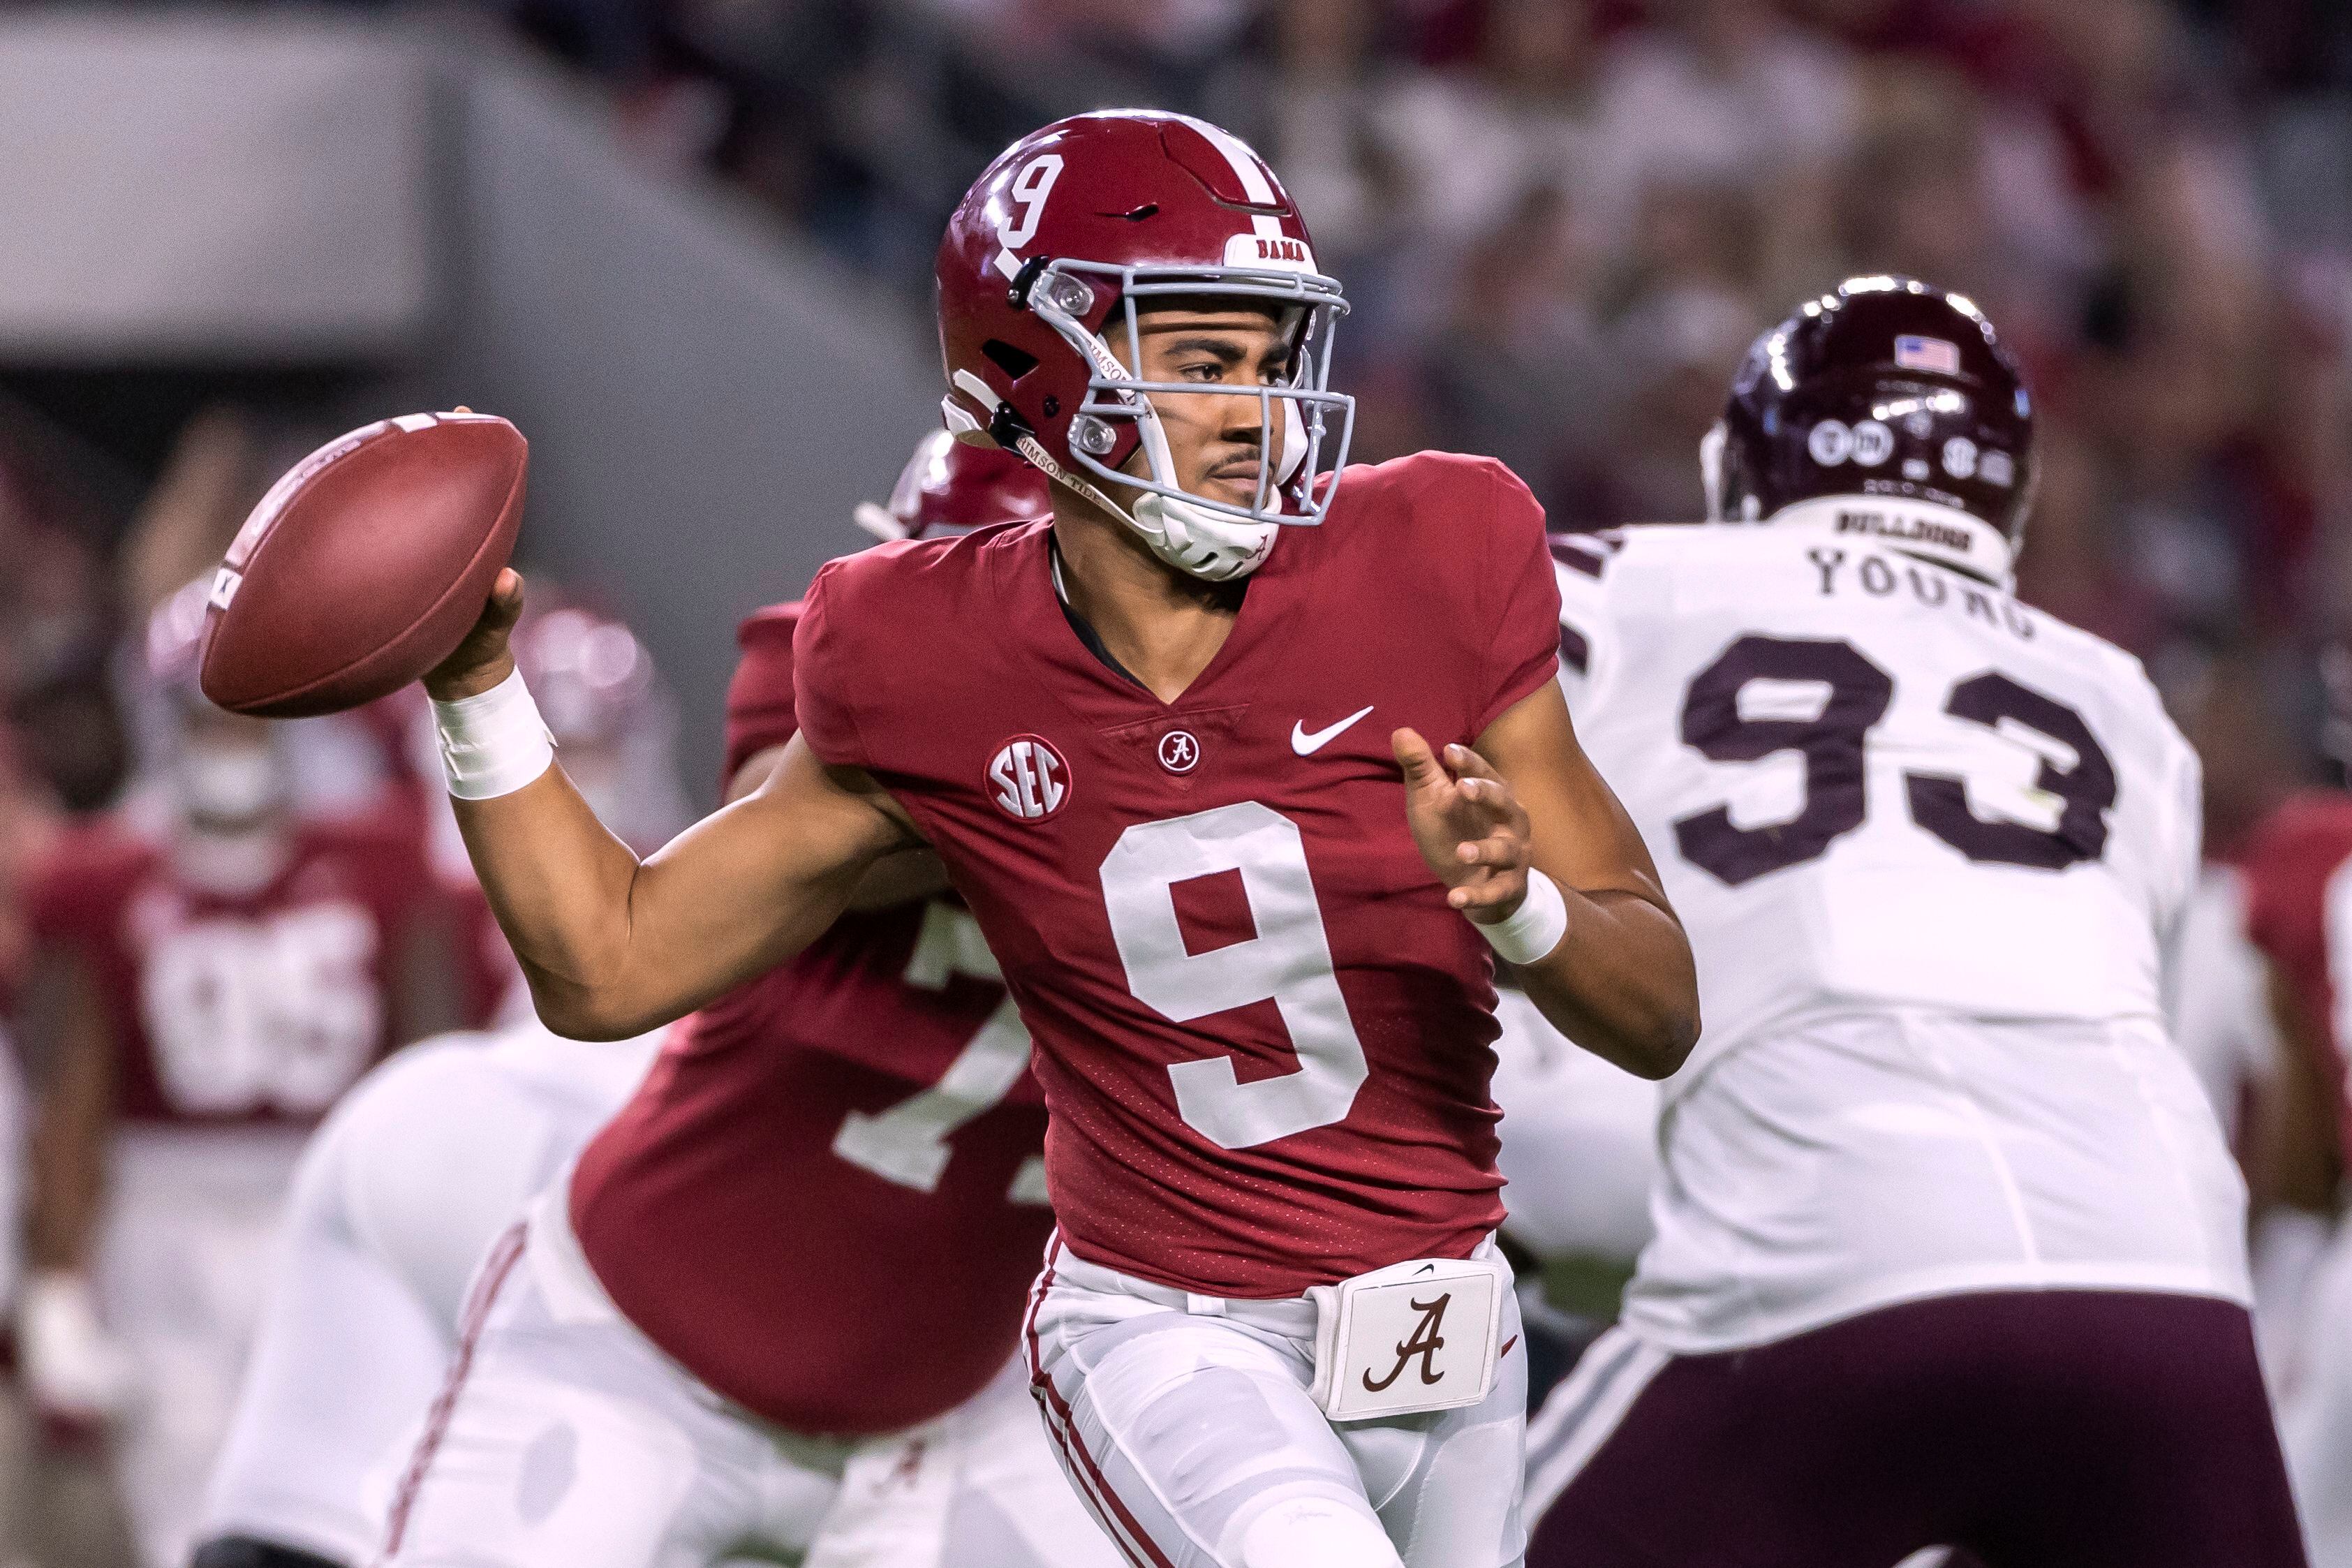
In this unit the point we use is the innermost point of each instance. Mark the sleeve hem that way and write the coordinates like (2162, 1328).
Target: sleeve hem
(1536, 667)
(1528, 680)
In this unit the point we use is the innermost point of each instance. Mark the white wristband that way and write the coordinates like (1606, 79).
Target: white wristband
(1534, 928)
(493, 743)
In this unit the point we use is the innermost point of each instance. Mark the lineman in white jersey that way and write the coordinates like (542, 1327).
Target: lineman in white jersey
(401, 1192)
(1948, 1248)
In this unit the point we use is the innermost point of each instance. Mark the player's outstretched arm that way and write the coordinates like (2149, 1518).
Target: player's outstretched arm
(1620, 980)
(612, 946)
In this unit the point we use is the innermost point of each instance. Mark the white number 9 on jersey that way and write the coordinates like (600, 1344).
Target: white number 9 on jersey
(1288, 962)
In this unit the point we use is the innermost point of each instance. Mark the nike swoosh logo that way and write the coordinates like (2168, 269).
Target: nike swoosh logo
(1506, 1347)
(1305, 744)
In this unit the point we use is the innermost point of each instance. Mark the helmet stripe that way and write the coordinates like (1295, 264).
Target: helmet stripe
(1246, 169)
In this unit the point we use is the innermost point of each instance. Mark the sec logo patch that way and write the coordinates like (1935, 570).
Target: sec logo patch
(1027, 779)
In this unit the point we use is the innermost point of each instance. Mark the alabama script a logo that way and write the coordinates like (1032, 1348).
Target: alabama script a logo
(1425, 1342)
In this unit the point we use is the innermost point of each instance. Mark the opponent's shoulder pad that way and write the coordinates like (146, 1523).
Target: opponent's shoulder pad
(1609, 578)
(2118, 665)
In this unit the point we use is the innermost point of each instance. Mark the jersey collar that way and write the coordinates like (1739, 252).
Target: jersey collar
(1080, 624)
(1943, 534)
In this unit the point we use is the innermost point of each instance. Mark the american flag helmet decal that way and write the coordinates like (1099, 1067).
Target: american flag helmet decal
(1927, 353)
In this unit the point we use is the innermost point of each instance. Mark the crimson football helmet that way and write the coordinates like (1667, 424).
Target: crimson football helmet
(1065, 237)
(953, 486)
(1886, 388)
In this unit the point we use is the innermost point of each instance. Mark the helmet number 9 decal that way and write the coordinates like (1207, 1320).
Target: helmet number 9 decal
(1031, 186)
(1832, 742)
(1288, 963)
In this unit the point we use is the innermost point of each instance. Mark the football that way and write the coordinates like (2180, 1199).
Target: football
(365, 565)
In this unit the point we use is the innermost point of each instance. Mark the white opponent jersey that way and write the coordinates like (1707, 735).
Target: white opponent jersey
(1928, 844)
(1580, 1143)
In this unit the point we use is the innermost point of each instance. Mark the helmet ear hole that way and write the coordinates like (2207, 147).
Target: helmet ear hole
(1015, 362)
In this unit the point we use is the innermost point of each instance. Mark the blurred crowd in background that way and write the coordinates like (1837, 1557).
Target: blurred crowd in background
(1560, 223)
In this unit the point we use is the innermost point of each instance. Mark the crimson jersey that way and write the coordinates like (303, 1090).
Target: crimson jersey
(2299, 912)
(255, 1006)
(760, 696)
(827, 1200)
(1265, 1036)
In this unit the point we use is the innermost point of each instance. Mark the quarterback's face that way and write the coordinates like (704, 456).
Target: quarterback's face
(1216, 439)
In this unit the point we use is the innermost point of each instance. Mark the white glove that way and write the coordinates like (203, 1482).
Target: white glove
(72, 1367)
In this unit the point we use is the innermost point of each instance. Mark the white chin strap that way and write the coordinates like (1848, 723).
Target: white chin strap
(1200, 540)
(1197, 540)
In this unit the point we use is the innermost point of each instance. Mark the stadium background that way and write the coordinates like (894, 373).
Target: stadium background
(686, 247)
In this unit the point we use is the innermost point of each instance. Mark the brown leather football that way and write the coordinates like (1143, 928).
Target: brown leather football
(366, 565)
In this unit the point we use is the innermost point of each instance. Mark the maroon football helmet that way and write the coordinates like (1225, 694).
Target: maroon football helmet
(1069, 234)
(953, 486)
(1888, 388)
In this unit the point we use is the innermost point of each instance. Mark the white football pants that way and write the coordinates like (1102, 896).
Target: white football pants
(2315, 1407)
(564, 1439)
(419, 1169)
(183, 1259)
(1187, 1423)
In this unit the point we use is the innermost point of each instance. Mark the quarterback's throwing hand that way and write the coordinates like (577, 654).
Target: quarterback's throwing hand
(481, 661)
(1471, 829)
